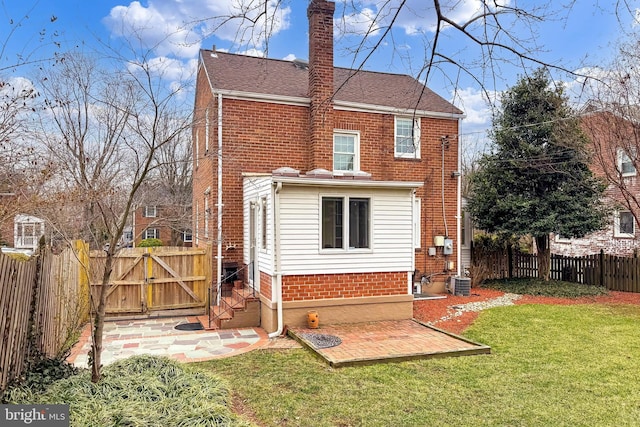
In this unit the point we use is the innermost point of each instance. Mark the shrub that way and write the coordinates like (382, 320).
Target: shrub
(552, 288)
(149, 243)
(142, 391)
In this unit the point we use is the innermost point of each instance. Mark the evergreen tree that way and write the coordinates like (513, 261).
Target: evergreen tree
(537, 181)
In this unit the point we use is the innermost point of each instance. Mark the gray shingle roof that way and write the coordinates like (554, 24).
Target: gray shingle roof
(231, 72)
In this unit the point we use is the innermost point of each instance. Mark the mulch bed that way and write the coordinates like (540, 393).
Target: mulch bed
(433, 310)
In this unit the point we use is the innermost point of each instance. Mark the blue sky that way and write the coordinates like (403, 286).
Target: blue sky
(579, 38)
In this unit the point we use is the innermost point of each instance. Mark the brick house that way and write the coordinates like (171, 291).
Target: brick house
(614, 140)
(330, 189)
(166, 223)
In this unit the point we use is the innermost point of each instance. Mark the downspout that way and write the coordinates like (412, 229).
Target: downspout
(459, 201)
(219, 204)
(277, 289)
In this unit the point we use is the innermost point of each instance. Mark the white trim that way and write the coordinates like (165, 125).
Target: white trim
(338, 182)
(620, 154)
(337, 105)
(356, 149)
(345, 223)
(416, 138)
(616, 226)
(417, 222)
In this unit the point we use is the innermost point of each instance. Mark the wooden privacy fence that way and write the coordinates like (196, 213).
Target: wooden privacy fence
(613, 272)
(43, 303)
(154, 280)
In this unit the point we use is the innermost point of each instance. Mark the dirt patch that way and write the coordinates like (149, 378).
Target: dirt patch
(433, 311)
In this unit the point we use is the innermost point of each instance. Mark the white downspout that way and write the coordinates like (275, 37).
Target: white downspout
(276, 251)
(219, 204)
(459, 209)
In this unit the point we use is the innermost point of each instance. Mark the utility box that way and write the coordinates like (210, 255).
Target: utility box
(448, 247)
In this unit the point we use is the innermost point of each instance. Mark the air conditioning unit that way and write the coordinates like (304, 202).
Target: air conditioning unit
(460, 286)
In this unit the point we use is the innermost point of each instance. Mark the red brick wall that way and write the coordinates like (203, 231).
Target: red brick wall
(326, 286)
(320, 14)
(266, 287)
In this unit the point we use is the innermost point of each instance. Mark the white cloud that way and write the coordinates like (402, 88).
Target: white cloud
(289, 57)
(474, 127)
(364, 21)
(177, 27)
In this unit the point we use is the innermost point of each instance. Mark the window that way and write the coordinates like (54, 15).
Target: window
(150, 212)
(356, 225)
(151, 233)
(407, 137)
(346, 151)
(625, 163)
(187, 237)
(263, 225)
(624, 224)
(417, 215)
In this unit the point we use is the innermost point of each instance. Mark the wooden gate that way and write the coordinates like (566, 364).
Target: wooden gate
(152, 280)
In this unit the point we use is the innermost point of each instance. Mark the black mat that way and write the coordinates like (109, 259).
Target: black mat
(197, 326)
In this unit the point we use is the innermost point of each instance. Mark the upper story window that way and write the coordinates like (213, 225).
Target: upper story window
(625, 163)
(150, 212)
(624, 224)
(407, 137)
(346, 219)
(346, 151)
(187, 237)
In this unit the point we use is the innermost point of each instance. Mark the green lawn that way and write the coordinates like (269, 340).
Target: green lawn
(550, 366)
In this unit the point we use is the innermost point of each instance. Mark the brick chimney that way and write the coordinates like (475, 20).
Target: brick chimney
(320, 14)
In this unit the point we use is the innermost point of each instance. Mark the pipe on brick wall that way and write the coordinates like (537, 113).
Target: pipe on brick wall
(219, 207)
(277, 288)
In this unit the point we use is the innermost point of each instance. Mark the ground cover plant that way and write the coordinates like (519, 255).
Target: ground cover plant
(550, 365)
(139, 391)
(552, 288)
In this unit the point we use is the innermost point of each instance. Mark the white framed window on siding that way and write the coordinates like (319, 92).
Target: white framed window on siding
(346, 151)
(151, 233)
(150, 212)
(407, 137)
(346, 223)
(624, 224)
(263, 223)
(625, 163)
(417, 220)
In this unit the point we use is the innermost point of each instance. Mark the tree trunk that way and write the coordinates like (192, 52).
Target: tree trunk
(98, 328)
(544, 257)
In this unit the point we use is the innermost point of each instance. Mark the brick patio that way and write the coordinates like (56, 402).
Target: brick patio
(388, 341)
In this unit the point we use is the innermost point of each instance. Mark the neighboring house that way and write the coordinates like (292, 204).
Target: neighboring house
(614, 140)
(27, 231)
(330, 189)
(166, 223)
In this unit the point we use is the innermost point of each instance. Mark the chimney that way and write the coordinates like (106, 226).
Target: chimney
(320, 14)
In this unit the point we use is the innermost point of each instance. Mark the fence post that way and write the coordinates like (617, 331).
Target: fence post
(510, 261)
(601, 261)
(81, 249)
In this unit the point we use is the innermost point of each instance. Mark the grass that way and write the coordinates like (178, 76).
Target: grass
(139, 391)
(551, 365)
(552, 288)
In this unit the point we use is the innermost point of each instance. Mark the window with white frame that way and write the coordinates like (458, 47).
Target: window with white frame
(263, 223)
(625, 163)
(407, 137)
(150, 212)
(346, 151)
(346, 221)
(624, 224)
(187, 236)
(416, 223)
(151, 233)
